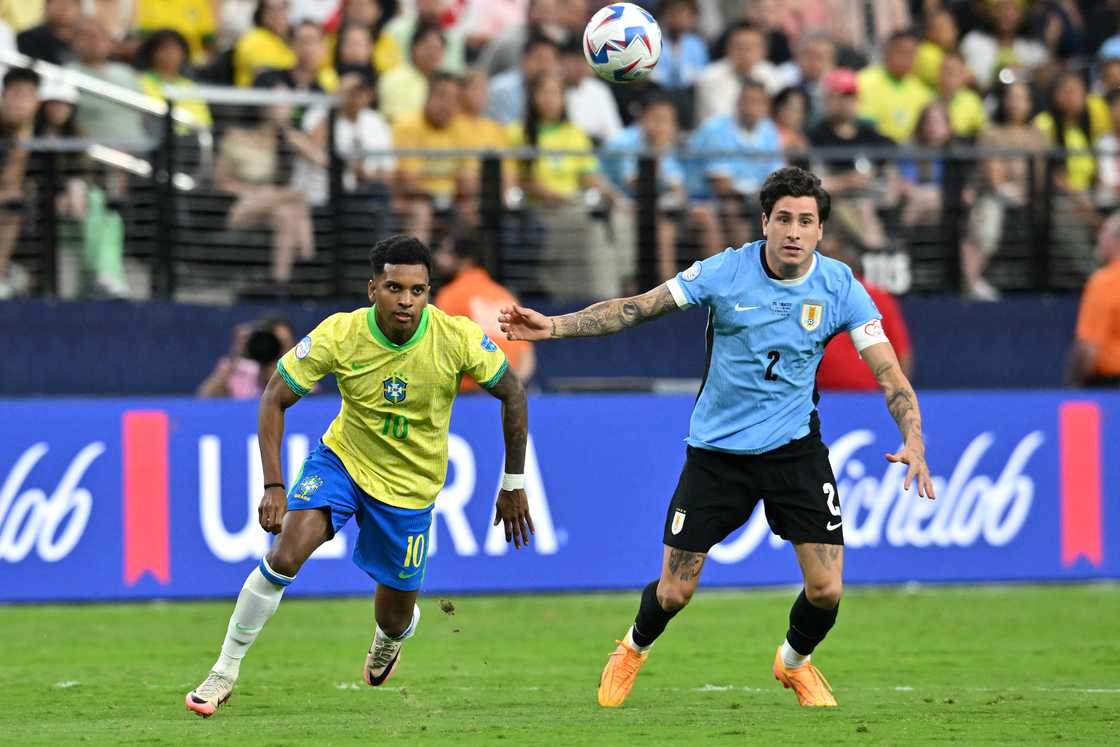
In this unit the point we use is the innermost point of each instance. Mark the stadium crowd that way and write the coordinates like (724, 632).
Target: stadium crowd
(760, 82)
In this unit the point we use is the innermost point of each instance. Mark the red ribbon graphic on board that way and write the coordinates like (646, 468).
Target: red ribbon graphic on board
(1080, 439)
(147, 546)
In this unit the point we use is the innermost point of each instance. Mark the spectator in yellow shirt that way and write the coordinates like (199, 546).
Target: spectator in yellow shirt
(890, 95)
(940, 39)
(404, 89)
(311, 71)
(162, 60)
(385, 53)
(582, 257)
(193, 19)
(428, 184)
(966, 111)
(265, 46)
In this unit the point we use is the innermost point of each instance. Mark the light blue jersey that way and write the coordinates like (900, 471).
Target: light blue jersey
(765, 341)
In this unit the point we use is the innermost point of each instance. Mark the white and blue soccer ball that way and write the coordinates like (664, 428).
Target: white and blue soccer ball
(622, 43)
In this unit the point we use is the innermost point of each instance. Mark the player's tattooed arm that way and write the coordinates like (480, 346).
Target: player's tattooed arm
(902, 403)
(512, 508)
(604, 318)
(608, 317)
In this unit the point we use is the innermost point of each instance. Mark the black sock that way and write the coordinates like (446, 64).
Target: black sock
(808, 625)
(651, 619)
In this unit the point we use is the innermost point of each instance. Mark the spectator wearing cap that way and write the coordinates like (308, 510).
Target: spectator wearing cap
(473, 293)
(19, 101)
(717, 88)
(841, 368)
(430, 13)
(162, 61)
(890, 95)
(855, 182)
(264, 46)
(591, 104)
(507, 90)
(1004, 44)
(657, 131)
(102, 118)
(192, 19)
(90, 231)
(50, 41)
(967, 115)
(404, 89)
(1095, 358)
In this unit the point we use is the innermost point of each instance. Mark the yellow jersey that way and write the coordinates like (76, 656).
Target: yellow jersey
(391, 432)
(560, 173)
(194, 19)
(260, 49)
(1081, 168)
(892, 104)
(967, 117)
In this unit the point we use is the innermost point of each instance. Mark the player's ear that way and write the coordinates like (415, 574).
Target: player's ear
(765, 223)
(371, 288)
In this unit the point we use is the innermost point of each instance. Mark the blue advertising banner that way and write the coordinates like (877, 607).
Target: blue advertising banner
(157, 498)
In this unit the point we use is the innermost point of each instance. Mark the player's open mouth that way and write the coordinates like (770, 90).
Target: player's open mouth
(402, 317)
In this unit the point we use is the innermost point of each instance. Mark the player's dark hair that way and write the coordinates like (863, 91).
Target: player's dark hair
(792, 181)
(399, 249)
(21, 75)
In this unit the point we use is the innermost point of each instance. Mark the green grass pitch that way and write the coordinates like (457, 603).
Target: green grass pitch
(932, 665)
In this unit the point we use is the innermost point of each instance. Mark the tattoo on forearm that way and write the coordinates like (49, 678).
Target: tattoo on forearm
(685, 565)
(515, 420)
(608, 317)
(903, 407)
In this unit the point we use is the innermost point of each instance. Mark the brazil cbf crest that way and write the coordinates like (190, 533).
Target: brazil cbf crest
(307, 486)
(812, 312)
(395, 389)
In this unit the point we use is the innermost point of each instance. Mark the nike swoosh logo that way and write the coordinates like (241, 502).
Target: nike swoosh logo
(746, 308)
(247, 629)
(833, 527)
(359, 366)
(402, 574)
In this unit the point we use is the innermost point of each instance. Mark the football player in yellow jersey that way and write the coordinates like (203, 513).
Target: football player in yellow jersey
(383, 459)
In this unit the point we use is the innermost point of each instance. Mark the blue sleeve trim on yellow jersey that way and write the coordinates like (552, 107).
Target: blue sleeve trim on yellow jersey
(292, 384)
(493, 381)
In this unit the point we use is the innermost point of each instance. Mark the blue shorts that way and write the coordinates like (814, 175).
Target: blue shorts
(392, 542)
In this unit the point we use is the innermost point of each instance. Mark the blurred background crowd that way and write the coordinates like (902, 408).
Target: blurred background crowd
(971, 146)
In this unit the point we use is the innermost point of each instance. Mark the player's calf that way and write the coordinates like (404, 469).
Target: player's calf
(385, 652)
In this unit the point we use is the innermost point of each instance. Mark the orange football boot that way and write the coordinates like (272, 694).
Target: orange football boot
(806, 681)
(619, 674)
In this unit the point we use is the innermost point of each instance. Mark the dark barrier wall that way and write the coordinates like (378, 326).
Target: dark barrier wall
(150, 497)
(161, 348)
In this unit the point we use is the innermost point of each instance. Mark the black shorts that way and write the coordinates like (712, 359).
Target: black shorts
(718, 492)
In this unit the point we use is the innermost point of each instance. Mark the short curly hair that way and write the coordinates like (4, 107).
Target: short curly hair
(399, 249)
(792, 181)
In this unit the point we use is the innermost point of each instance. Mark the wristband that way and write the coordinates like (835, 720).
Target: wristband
(513, 482)
(275, 485)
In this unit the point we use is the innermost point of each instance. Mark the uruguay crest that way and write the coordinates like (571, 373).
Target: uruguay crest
(678, 522)
(812, 313)
(307, 486)
(395, 389)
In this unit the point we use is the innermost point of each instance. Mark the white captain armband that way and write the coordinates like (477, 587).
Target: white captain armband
(674, 286)
(867, 334)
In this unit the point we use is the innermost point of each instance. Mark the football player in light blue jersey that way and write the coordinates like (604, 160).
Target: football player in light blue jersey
(772, 306)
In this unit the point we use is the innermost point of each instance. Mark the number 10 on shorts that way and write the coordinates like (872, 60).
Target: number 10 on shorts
(414, 554)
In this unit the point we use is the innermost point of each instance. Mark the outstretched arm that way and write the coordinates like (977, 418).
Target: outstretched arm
(603, 318)
(903, 406)
(513, 505)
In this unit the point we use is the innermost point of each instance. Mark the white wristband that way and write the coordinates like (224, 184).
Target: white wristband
(513, 482)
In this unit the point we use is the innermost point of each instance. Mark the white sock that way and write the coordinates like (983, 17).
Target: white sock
(791, 658)
(257, 601)
(408, 632)
(629, 641)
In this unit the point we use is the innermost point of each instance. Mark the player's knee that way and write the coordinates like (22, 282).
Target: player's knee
(824, 595)
(282, 560)
(673, 597)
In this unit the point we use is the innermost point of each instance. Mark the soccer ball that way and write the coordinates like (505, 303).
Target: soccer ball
(622, 43)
